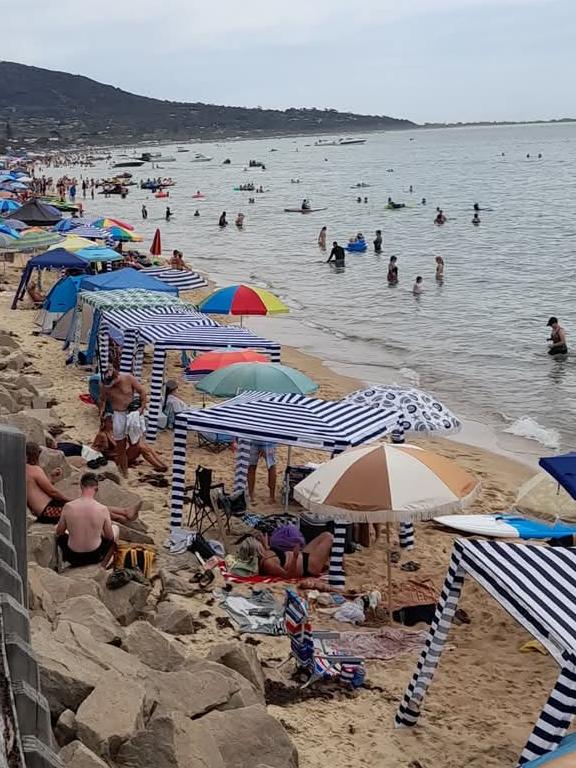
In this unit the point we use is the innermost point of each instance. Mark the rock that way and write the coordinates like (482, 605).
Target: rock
(174, 620)
(65, 728)
(191, 693)
(111, 715)
(249, 736)
(76, 755)
(126, 604)
(47, 416)
(93, 614)
(52, 459)
(171, 741)
(243, 658)
(176, 585)
(42, 545)
(31, 427)
(7, 341)
(47, 589)
(109, 493)
(39, 402)
(11, 359)
(245, 696)
(7, 401)
(145, 642)
(17, 381)
(134, 535)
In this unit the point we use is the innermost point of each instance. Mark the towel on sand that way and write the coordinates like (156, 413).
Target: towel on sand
(386, 643)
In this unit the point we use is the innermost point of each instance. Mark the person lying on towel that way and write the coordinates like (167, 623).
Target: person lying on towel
(286, 555)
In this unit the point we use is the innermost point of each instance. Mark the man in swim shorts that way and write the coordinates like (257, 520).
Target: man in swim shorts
(119, 390)
(85, 533)
(43, 499)
(268, 451)
(557, 337)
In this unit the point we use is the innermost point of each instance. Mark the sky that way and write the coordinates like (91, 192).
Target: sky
(424, 60)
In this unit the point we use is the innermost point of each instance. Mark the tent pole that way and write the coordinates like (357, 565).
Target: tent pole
(389, 571)
(287, 480)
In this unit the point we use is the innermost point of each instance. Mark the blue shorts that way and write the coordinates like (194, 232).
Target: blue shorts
(268, 450)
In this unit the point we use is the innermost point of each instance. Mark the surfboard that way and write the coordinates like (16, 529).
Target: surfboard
(506, 526)
(303, 210)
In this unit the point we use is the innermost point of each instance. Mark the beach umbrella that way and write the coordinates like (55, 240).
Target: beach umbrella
(385, 483)
(7, 230)
(242, 300)
(213, 361)
(256, 377)
(90, 233)
(421, 412)
(123, 235)
(74, 243)
(9, 206)
(15, 224)
(7, 242)
(67, 225)
(35, 239)
(98, 253)
(542, 496)
(156, 247)
(106, 223)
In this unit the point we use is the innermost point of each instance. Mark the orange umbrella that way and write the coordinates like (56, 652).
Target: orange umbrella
(156, 247)
(213, 361)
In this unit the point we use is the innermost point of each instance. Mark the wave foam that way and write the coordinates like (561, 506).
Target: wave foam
(529, 428)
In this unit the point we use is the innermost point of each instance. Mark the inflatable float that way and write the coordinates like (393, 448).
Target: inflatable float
(357, 247)
(198, 196)
(161, 194)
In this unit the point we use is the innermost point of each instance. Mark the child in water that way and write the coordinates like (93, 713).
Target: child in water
(392, 271)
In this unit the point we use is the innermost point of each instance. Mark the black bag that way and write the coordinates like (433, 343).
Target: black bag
(201, 547)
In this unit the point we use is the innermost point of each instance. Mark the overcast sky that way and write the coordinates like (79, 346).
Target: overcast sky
(426, 60)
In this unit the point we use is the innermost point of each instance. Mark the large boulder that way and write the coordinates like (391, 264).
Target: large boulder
(133, 534)
(18, 382)
(47, 589)
(32, 428)
(192, 694)
(173, 619)
(11, 359)
(245, 696)
(176, 585)
(8, 401)
(8, 341)
(42, 545)
(92, 613)
(76, 755)
(243, 658)
(171, 741)
(114, 711)
(109, 493)
(65, 730)
(51, 460)
(127, 603)
(47, 416)
(152, 648)
(248, 737)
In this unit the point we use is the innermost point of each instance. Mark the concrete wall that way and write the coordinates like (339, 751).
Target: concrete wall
(26, 739)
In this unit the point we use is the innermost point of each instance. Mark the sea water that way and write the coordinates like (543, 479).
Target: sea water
(479, 338)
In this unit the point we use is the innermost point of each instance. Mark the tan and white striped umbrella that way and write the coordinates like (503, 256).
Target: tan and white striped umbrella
(383, 483)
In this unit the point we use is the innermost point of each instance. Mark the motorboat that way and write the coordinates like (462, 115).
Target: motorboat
(129, 164)
(338, 142)
(182, 149)
(200, 158)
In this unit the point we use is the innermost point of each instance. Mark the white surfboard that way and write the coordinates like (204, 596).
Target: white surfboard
(481, 525)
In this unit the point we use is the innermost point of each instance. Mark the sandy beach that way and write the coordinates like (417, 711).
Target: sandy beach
(486, 695)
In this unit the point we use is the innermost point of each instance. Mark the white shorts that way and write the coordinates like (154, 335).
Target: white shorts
(119, 422)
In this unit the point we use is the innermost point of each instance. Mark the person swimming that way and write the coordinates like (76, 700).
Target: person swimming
(423, 201)
(322, 238)
(392, 275)
(378, 241)
(394, 206)
(358, 199)
(239, 220)
(418, 287)
(168, 214)
(476, 219)
(196, 212)
(440, 217)
(476, 207)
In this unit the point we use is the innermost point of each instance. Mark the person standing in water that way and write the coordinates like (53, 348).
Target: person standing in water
(338, 254)
(392, 276)
(144, 212)
(439, 269)
(222, 220)
(418, 287)
(557, 338)
(239, 220)
(322, 238)
(378, 241)
(476, 219)
(168, 215)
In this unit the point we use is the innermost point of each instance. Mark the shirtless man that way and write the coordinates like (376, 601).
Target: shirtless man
(85, 532)
(119, 389)
(557, 337)
(45, 500)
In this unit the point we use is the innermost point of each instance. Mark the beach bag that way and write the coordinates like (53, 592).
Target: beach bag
(137, 556)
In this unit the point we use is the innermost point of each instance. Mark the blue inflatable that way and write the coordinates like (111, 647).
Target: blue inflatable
(357, 247)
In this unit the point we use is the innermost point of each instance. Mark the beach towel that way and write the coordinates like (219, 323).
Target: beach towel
(385, 644)
(255, 613)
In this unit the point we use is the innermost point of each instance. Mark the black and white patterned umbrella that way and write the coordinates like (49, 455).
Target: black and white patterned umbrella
(421, 412)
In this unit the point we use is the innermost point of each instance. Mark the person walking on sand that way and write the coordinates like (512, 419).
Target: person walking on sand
(557, 338)
(417, 288)
(439, 269)
(119, 389)
(322, 238)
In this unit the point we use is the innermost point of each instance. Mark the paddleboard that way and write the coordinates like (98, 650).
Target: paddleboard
(303, 210)
(481, 525)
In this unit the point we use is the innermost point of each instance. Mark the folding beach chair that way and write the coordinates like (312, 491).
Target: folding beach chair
(214, 442)
(204, 509)
(292, 476)
(316, 652)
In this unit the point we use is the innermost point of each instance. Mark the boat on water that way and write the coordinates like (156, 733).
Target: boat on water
(129, 164)
(338, 142)
(182, 149)
(200, 158)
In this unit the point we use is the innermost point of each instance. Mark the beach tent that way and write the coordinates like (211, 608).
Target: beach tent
(537, 586)
(36, 213)
(563, 469)
(123, 279)
(184, 280)
(60, 299)
(293, 420)
(58, 259)
(99, 253)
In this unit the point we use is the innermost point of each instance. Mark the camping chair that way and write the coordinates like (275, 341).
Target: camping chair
(214, 442)
(292, 476)
(313, 651)
(204, 510)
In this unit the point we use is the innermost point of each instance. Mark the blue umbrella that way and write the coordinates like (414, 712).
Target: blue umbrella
(6, 230)
(67, 225)
(7, 206)
(15, 224)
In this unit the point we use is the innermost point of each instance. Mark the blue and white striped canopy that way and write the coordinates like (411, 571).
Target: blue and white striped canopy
(134, 319)
(293, 420)
(183, 280)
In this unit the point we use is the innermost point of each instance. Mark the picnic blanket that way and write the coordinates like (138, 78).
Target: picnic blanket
(385, 644)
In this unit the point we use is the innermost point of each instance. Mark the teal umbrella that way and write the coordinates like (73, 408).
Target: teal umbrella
(258, 377)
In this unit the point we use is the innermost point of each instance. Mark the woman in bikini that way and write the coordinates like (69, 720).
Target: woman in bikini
(256, 555)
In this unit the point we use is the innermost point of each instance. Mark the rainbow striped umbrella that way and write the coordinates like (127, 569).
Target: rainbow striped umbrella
(106, 223)
(124, 235)
(242, 300)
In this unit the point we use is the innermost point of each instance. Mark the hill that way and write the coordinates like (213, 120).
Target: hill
(41, 105)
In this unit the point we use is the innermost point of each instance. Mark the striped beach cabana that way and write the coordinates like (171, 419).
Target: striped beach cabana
(292, 420)
(184, 280)
(537, 586)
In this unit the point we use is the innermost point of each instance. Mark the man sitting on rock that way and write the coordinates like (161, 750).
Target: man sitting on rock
(43, 499)
(46, 502)
(85, 533)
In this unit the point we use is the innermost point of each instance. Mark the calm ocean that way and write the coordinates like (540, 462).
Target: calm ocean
(478, 340)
